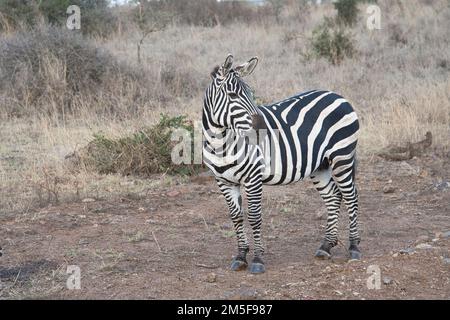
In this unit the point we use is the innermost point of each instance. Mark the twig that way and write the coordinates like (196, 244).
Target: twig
(156, 240)
(17, 277)
(204, 221)
(201, 265)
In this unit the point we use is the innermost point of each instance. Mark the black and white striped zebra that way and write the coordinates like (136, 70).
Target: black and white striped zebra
(311, 134)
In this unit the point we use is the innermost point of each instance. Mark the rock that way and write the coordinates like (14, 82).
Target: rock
(442, 186)
(387, 280)
(424, 246)
(211, 277)
(446, 235)
(83, 241)
(407, 251)
(395, 255)
(173, 193)
(446, 260)
(86, 200)
(388, 189)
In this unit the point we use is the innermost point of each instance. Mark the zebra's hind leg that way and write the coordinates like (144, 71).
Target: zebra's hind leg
(332, 197)
(233, 197)
(253, 190)
(344, 176)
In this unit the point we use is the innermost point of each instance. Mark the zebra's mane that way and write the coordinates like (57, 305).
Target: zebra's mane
(247, 89)
(215, 70)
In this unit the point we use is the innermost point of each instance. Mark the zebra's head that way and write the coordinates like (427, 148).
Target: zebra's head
(228, 99)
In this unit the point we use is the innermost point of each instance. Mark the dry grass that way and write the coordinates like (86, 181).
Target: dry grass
(398, 81)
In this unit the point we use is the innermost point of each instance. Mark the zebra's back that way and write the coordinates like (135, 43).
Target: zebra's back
(306, 129)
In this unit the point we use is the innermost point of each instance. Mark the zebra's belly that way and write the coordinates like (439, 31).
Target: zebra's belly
(282, 163)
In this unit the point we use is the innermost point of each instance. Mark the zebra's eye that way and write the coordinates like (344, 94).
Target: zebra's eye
(233, 95)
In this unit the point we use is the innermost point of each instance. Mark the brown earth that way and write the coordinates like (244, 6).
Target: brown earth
(177, 242)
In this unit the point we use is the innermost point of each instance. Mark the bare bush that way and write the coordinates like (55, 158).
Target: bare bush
(47, 70)
(57, 73)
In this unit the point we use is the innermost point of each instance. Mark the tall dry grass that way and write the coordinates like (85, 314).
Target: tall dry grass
(398, 82)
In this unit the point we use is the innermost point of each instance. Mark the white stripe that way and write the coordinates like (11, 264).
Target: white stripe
(285, 112)
(343, 122)
(296, 126)
(316, 130)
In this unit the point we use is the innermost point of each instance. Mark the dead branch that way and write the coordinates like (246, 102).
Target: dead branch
(400, 153)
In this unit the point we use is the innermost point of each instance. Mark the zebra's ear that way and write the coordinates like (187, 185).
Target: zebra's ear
(247, 68)
(226, 67)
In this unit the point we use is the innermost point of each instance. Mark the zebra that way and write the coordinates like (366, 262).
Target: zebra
(312, 134)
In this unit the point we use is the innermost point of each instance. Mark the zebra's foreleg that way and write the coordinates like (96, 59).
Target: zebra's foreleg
(332, 197)
(253, 190)
(344, 176)
(233, 197)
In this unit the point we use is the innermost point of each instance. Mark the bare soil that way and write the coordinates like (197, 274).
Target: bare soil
(177, 242)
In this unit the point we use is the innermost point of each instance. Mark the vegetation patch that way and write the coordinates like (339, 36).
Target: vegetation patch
(142, 153)
(330, 41)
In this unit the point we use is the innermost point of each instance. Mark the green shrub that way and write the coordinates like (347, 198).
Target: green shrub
(330, 41)
(142, 153)
(347, 11)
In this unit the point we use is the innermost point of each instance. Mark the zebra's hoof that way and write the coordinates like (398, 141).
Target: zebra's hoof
(355, 255)
(322, 254)
(238, 264)
(354, 252)
(257, 266)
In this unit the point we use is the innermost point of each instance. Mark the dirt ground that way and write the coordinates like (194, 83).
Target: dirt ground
(177, 242)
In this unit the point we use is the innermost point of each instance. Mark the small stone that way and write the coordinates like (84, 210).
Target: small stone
(424, 246)
(81, 216)
(395, 255)
(211, 277)
(173, 193)
(388, 189)
(83, 241)
(442, 186)
(85, 200)
(446, 260)
(446, 235)
(407, 251)
(387, 280)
